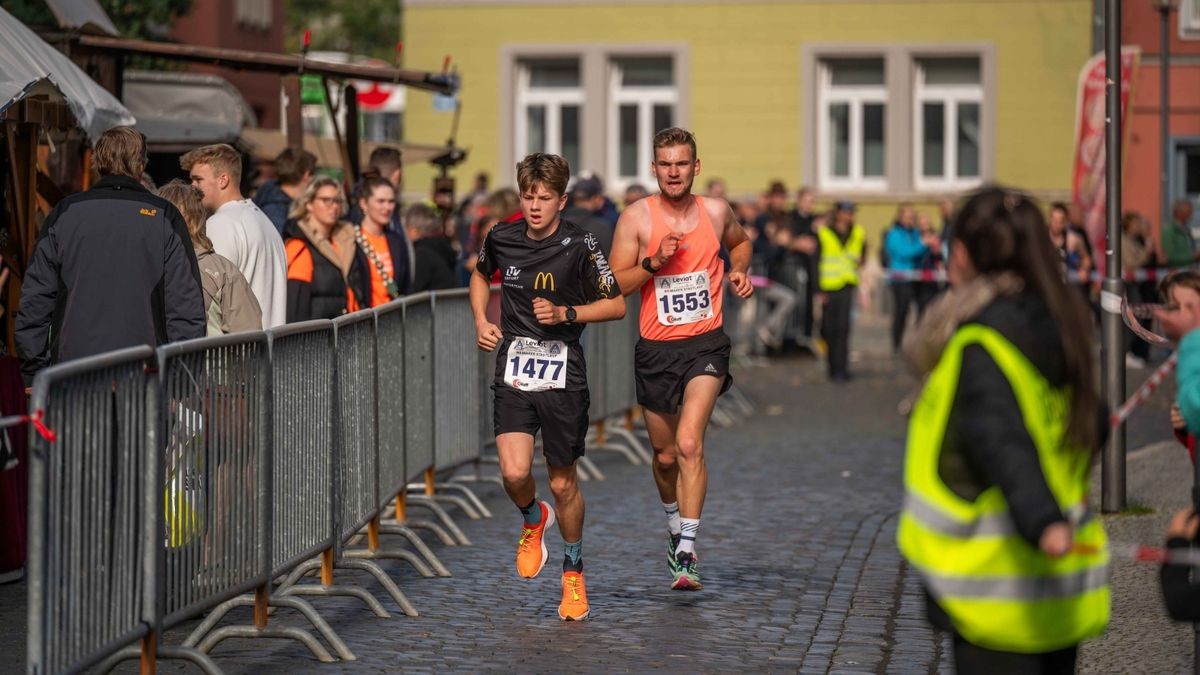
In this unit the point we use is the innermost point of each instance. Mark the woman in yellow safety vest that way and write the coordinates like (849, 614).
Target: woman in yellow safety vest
(1000, 441)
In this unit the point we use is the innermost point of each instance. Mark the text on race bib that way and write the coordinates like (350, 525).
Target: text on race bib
(683, 298)
(536, 365)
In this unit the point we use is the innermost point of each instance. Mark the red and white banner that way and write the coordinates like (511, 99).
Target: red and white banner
(1088, 182)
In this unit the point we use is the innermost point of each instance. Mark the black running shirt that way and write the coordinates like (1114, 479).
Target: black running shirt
(568, 268)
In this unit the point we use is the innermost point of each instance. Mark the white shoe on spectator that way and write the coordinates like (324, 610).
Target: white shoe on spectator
(1132, 361)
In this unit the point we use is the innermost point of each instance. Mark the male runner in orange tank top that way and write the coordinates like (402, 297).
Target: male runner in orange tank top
(673, 240)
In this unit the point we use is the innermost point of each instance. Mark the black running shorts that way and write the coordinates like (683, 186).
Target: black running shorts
(665, 367)
(560, 414)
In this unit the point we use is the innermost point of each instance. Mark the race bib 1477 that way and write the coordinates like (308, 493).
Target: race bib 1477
(683, 298)
(536, 365)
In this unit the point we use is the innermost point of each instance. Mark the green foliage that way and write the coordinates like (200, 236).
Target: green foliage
(145, 19)
(359, 27)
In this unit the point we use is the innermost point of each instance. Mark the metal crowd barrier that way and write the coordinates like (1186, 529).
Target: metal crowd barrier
(196, 477)
(216, 432)
(300, 486)
(404, 375)
(91, 563)
(355, 463)
(457, 391)
(420, 402)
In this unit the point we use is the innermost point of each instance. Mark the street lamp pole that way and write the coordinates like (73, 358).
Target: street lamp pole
(1112, 474)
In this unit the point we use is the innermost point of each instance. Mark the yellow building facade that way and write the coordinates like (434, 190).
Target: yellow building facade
(875, 101)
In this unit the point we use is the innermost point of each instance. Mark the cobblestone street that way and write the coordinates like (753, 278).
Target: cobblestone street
(797, 548)
(798, 558)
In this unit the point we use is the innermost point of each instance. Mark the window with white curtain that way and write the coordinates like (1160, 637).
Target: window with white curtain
(642, 100)
(851, 123)
(1189, 19)
(549, 104)
(253, 13)
(946, 135)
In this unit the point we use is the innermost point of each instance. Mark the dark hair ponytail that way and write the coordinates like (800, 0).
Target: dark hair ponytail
(1004, 231)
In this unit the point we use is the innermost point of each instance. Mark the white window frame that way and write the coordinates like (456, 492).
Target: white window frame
(1189, 20)
(855, 97)
(950, 96)
(553, 98)
(257, 14)
(645, 98)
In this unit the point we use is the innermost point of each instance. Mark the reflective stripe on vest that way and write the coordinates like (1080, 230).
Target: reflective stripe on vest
(1029, 589)
(986, 525)
(839, 263)
(999, 591)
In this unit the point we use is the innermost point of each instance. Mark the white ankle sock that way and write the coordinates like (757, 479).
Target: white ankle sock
(687, 540)
(672, 510)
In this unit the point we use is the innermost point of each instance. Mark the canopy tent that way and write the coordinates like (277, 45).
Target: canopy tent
(29, 66)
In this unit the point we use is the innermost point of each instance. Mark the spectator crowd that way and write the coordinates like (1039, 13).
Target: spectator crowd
(307, 246)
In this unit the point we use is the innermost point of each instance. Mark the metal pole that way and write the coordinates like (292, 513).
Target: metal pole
(1164, 113)
(1112, 480)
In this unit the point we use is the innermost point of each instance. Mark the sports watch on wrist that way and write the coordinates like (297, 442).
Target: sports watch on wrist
(570, 314)
(648, 266)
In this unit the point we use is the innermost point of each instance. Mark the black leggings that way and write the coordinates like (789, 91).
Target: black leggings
(970, 659)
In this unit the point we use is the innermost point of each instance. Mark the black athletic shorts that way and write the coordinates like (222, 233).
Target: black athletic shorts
(560, 414)
(665, 367)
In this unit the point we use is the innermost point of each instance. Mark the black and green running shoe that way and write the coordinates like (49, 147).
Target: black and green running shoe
(672, 543)
(687, 573)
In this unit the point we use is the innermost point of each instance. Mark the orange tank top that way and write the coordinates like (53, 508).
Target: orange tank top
(683, 299)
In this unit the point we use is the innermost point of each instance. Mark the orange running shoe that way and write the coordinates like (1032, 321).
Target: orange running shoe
(531, 548)
(574, 605)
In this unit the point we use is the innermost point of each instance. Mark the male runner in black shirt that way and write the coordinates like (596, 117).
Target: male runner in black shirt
(555, 279)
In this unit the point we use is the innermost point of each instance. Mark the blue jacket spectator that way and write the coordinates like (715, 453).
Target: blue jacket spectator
(274, 202)
(905, 250)
(293, 170)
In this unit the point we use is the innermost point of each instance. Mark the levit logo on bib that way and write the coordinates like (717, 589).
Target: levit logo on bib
(544, 281)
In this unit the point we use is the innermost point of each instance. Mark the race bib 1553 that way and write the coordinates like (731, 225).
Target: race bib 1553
(683, 298)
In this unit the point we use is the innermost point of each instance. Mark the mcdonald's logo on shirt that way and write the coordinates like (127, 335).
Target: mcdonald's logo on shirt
(544, 281)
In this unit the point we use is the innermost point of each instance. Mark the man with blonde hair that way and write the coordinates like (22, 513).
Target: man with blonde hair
(239, 230)
(113, 267)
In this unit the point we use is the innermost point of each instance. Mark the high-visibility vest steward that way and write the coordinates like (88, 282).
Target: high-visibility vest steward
(839, 262)
(999, 591)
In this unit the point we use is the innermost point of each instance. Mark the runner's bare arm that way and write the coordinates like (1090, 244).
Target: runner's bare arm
(626, 247)
(487, 334)
(734, 238)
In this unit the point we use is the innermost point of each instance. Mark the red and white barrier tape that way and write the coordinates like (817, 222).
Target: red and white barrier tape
(1147, 554)
(1144, 392)
(35, 419)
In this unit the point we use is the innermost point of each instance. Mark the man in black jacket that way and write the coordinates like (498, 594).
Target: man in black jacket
(113, 267)
(434, 256)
